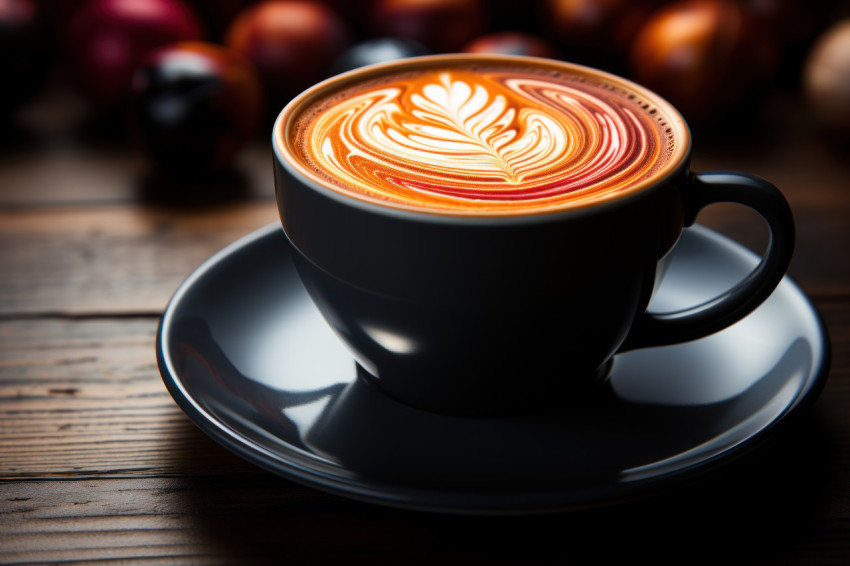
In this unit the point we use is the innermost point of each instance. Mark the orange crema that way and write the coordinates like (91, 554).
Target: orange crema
(478, 138)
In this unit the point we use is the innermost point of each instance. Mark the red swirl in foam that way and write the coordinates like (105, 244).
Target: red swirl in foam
(483, 139)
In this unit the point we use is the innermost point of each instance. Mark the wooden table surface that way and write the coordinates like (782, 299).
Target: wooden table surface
(97, 462)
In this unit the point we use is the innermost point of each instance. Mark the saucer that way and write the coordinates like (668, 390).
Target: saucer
(247, 356)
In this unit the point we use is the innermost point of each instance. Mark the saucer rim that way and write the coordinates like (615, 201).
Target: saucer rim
(295, 467)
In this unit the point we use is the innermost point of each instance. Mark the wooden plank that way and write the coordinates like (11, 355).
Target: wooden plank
(218, 520)
(186, 520)
(85, 398)
(140, 521)
(104, 260)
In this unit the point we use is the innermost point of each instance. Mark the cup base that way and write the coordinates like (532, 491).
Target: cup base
(488, 403)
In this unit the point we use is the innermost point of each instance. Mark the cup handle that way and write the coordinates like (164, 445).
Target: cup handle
(713, 187)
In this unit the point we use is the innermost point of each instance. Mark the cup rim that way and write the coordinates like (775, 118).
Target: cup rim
(287, 158)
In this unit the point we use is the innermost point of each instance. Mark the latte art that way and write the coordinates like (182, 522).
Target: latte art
(474, 138)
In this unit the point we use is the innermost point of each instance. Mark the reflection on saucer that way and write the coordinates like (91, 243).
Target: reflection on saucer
(251, 361)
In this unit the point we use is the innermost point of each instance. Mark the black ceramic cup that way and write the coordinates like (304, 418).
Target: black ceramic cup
(486, 315)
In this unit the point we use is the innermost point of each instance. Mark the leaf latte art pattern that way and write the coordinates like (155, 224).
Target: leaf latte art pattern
(461, 139)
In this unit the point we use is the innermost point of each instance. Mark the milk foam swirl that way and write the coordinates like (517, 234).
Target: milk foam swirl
(459, 138)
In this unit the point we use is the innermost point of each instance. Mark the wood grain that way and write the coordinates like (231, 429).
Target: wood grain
(83, 398)
(752, 514)
(111, 259)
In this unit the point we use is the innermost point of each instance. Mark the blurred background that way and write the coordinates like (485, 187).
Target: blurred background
(185, 85)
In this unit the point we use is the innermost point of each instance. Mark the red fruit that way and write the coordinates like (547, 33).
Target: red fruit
(195, 104)
(108, 38)
(441, 25)
(705, 56)
(512, 43)
(291, 43)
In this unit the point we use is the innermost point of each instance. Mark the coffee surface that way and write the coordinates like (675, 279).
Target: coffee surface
(472, 137)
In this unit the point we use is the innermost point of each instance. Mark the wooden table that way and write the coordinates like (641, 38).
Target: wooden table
(98, 463)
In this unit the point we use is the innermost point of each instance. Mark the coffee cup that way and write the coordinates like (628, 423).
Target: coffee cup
(485, 232)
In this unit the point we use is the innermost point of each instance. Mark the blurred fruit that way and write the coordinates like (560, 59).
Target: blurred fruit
(108, 38)
(826, 78)
(291, 43)
(24, 55)
(195, 104)
(440, 25)
(705, 56)
(374, 51)
(512, 43)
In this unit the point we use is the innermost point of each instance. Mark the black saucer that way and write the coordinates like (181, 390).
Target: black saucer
(247, 356)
